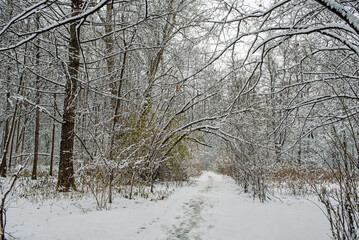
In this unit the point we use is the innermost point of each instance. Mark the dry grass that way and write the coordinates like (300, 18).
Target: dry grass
(313, 174)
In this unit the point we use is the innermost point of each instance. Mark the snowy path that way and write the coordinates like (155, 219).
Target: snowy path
(210, 209)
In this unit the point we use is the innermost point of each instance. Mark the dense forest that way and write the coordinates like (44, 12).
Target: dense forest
(104, 96)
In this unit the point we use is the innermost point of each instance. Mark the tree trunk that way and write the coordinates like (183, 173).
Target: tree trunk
(115, 91)
(36, 146)
(109, 40)
(37, 118)
(66, 179)
(53, 140)
(7, 132)
(3, 167)
(12, 147)
(4, 149)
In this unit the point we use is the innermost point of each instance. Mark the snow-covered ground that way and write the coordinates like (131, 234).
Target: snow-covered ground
(211, 208)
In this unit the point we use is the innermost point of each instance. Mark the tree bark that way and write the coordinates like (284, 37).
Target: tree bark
(4, 149)
(37, 117)
(7, 133)
(109, 40)
(53, 140)
(66, 179)
(12, 146)
(3, 167)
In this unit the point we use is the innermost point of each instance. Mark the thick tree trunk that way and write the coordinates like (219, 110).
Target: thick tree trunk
(66, 179)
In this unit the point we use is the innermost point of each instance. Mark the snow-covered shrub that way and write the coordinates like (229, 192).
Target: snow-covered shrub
(247, 170)
(145, 152)
(342, 202)
(94, 180)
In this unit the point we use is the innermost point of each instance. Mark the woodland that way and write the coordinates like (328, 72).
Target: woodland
(108, 96)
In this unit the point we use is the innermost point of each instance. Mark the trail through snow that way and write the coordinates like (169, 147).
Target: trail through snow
(211, 208)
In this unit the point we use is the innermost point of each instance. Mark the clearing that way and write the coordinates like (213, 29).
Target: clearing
(211, 208)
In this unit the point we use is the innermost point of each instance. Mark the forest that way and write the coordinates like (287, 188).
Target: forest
(109, 98)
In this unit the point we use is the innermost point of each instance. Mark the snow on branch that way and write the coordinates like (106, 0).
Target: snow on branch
(302, 31)
(27, 12)
(344, 14)
(34, 34)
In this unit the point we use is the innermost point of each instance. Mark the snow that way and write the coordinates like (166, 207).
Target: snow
(343, 13)
(210, 208)
(34, 34)
(27, 12)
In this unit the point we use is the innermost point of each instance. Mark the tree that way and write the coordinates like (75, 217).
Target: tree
(66, 169)
(37, 118)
